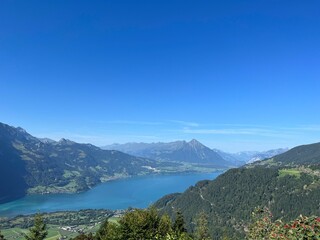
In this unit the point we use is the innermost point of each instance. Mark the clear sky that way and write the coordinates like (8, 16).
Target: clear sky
(236, 75)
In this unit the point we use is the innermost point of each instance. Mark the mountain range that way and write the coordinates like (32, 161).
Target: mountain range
(32, 165)
(192, 152)
(250, 156)
(41, 165)
(178, 151)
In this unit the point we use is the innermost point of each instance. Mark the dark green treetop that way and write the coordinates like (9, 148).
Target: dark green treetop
(179, 223)
(39, 229)
(202, 230)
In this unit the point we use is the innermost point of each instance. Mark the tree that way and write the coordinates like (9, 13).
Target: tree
(83, 236)
(1, 236)
(202, 231)
(164, 227)
(179, 224)
(108, 231)
(103, 230)
(39, 229)
(300, 228)
(113, 232)
(139, 224)
(262, 225)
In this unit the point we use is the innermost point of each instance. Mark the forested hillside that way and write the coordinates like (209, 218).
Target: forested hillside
(29, 164)
(288, 190)
(301, 155)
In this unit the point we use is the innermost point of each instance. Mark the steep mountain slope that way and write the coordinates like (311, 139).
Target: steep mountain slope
(12, 167)
(289, 184)
(180, 151)
(37, 166)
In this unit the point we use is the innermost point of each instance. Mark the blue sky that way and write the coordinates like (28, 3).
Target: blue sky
(236, 75)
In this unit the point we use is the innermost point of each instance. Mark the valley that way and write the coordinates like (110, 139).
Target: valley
(137, 192)
(56, 177)
(63, 225)
(29, 165)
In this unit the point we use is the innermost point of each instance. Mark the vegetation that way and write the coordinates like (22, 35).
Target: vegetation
(39, 229)
(142, 224)
(301, 155)
(288, 184)
(230, 198)
(148, 224)
(66, 218)
(264, 228)
(290, 172)
(202, 230)
(179, 224)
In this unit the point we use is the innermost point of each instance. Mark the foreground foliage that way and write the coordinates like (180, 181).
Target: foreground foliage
(301, 228)
(38, 231)
(142, 224)
(148, 224)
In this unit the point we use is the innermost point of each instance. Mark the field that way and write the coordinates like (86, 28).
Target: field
(54, 231)
(292, 172)
(64, 225)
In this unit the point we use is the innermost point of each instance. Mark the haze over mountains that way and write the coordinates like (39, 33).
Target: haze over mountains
(192, 151)
(181, 151)
(250, 156)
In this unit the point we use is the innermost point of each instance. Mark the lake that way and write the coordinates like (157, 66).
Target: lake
(137, 192)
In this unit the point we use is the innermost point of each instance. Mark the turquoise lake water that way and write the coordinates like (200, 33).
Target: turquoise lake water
(137, 192)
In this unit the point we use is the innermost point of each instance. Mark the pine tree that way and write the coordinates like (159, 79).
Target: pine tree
(164, 227)
(39, 230)
(108, 231)
(179, 224)
(103, 230)
(202, 230)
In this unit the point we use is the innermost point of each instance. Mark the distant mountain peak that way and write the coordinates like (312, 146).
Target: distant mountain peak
(47, 140)
(66, 141)
(177, 151)
(20, 129)
(195, 143)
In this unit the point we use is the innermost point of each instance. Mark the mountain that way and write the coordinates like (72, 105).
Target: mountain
(266, 154)
(29, 164)
(229, 157)
(250, 156)
(301, 155)
(288, 184)
(179, 151)
(194, 152)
